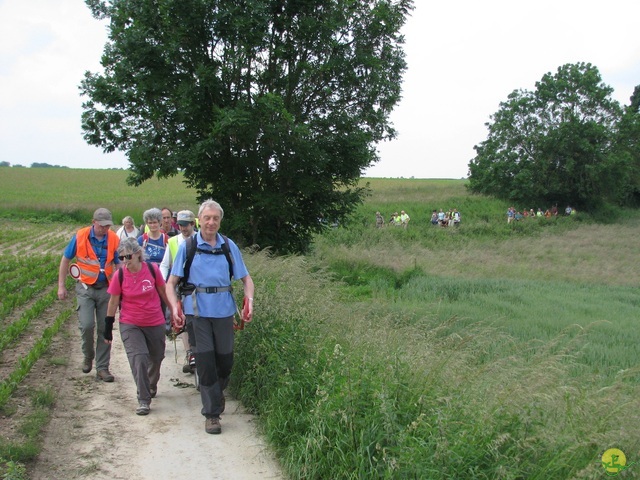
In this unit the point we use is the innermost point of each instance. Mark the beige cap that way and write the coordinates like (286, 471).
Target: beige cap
(185, 217)
(103, 217)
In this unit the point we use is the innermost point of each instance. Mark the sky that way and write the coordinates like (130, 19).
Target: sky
(464, 58)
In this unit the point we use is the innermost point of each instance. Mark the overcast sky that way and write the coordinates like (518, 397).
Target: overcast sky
(464, 59)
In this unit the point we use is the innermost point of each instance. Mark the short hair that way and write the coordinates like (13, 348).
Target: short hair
(131, 245)
(152, 214)
(210, 204)
(128, 217)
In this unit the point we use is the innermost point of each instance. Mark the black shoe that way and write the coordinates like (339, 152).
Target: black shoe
(192, 362)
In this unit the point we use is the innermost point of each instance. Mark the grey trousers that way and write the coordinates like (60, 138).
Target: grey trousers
(214, 359)
(145, 351)
(92, 308)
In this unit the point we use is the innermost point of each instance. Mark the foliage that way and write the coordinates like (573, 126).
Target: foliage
(627, 151)
(491, 350)
(272, 108)
(13, 470)
(554, 145)
(45, 165)
(400, 386)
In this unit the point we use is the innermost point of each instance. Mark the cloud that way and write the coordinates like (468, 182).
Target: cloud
(464, 59)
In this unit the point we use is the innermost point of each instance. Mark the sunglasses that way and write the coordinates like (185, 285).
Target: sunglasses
(128, 257)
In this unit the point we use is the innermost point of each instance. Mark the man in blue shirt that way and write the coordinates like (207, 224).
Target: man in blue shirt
(211, 308)
(95, 250)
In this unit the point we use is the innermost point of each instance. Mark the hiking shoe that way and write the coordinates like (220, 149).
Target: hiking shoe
(143, 409)
(104, 375)
(188, 359)
(192, 362)
(87, 365)
(212, 425)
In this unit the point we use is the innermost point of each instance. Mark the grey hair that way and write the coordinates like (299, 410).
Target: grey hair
(130, 245)
(210, 204)
(152, 214)
(128, 217)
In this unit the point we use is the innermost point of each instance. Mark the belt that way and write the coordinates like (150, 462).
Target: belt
(228, 288)
(97, 286)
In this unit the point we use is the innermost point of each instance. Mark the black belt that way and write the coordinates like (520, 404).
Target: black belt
(97, 286)
(228, 288)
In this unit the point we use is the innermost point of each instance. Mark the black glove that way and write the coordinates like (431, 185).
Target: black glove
(108, 328)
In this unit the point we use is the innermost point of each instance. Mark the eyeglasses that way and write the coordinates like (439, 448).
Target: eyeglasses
(128, 257)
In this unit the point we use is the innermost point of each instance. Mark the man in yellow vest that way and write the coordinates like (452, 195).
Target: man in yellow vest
(186, 222)
(95, 250)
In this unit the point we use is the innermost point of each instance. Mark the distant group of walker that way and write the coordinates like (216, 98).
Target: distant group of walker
(396, 220)
(452, 217)
(449, 218)
(513, 215)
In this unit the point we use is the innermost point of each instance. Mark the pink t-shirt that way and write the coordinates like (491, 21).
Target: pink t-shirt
(140, 302)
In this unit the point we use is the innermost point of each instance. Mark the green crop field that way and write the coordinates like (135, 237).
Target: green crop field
(486, 350)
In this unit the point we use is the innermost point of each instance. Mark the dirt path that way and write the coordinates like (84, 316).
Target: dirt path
(95, 433)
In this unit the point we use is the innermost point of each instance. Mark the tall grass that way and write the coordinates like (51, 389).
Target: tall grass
(350, 389)
(484, 351)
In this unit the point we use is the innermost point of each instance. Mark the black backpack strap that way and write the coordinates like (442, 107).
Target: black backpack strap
(192, 244)
(192, 247)
(227, 253)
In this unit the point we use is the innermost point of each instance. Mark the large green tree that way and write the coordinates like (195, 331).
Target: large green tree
(627, 149)
(553, 145)
(271, 107)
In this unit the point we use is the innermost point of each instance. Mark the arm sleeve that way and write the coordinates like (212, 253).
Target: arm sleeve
(165, 265)
(114, 286)
(70, 251)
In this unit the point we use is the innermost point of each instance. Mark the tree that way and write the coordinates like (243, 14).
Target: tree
(553, 145)
(627, 151)
(271, 107)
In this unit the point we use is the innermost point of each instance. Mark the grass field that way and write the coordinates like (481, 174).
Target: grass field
(483, 351)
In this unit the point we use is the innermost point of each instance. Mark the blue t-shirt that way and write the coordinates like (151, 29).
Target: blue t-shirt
(100, 247)
(154, 248)
(210, 271)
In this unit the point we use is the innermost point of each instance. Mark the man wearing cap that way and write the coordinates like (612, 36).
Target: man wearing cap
(186, 222)
(95, 250)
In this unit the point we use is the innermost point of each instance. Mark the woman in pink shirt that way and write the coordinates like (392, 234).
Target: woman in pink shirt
(138, 288)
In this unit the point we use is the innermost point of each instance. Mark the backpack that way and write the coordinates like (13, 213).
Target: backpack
(192, 247)
(145, 239)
